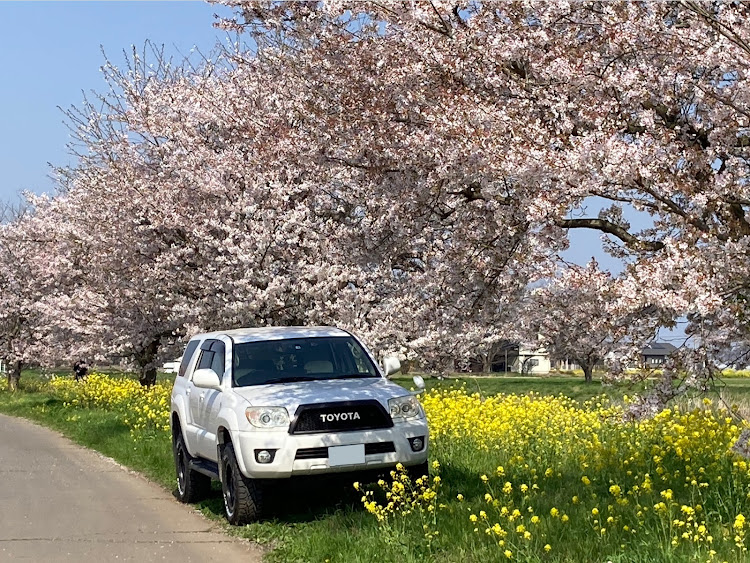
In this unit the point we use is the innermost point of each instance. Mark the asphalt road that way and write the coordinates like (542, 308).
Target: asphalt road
(61, 502)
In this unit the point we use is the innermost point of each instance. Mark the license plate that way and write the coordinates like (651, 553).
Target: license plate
(346, 455)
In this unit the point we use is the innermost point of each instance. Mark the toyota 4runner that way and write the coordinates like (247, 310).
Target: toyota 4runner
(249, 405)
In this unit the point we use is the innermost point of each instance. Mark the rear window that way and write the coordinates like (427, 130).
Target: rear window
(300, 359)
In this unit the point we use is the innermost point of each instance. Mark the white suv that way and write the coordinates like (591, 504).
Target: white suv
(269, 403)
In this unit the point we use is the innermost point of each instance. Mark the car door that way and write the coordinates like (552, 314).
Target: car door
(183, 386)
(206, 403)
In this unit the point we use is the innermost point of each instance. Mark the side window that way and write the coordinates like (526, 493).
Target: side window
(189, 351)
(207, 358)
(212, 356)
(207, 354)
(217, 362)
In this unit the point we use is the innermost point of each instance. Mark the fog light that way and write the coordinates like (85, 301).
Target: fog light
(264, 456)
(416, 443)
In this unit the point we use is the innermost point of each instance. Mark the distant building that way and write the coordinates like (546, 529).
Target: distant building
(520, 359)
(532, 361)
(655, 354)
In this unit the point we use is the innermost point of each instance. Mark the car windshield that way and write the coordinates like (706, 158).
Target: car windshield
(300, 359)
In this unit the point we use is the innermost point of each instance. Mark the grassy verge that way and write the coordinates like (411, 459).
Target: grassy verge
(520, 477)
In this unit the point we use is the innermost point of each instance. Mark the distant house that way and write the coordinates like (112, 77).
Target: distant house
(520, 359)
(655, 354)
(532, 361)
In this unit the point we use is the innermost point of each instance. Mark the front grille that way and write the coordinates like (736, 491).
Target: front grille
(340, 417)
(322, 453)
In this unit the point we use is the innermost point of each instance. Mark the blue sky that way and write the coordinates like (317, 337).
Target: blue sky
(50, 53)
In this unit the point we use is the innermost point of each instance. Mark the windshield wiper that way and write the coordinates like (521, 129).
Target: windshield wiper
(289, 379)
(327, 377)
(354, 376)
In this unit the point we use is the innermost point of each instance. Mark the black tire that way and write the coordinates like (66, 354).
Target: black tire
(417, 471)
(191, 485)
(243, 497)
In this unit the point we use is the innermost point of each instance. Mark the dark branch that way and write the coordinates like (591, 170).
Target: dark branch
(612, 229)
(719, 26)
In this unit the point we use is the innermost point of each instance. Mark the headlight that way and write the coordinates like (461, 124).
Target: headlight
(404, 407)
(267, 417)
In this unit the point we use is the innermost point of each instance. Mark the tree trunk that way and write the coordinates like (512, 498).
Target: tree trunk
(588, 372)
(487, 363)
(146, 360)
(14, 375)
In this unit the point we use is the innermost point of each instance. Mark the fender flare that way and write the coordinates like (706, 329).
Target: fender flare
(179, 410)
(227, 423)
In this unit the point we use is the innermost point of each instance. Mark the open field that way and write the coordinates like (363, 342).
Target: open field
(732, 389)
(544, 472)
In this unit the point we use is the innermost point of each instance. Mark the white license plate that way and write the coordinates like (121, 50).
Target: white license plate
(346, 455)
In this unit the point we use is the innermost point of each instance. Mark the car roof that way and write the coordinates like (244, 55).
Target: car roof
(240, 335)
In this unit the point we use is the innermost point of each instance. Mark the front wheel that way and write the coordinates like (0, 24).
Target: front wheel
(243, 497)
(191, 485)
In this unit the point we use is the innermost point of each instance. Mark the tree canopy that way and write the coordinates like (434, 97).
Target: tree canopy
(409, 171)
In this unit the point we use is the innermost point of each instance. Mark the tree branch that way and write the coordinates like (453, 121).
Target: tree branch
(719, 26)
(612, 229)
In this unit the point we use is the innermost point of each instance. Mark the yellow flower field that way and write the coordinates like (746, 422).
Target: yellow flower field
(145, 409)
(556, 480)
(535, 478)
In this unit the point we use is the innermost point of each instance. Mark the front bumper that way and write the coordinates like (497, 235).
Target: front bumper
(313, 457)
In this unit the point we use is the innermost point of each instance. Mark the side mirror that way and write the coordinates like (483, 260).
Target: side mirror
(206, 378)
(391, 365)
(418, 383)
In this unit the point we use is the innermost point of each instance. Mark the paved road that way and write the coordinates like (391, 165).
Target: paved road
(60, 502)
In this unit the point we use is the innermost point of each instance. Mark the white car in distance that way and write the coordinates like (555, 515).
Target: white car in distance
(171, 366)
(249, 405)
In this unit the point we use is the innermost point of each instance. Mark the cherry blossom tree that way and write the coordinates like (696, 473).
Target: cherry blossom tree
(578, 316)
(190, 217)
(408, 171)
(15, 306)
(27, 259)
(194, 215)
(499, 121)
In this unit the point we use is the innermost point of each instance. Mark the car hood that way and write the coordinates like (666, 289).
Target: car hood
(292, 395)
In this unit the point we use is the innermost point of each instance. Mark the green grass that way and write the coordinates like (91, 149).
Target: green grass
(733, 389)
(313, 520)
(570, 386)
